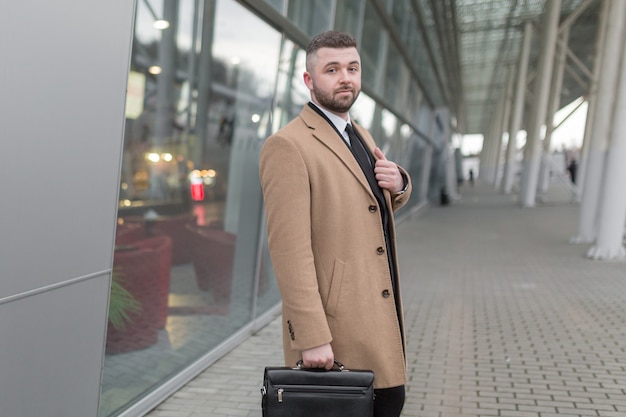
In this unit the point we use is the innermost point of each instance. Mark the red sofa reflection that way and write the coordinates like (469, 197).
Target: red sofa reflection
(175, 227)
(127, 233)
(163, 246)
(145, 267)
(213, 252)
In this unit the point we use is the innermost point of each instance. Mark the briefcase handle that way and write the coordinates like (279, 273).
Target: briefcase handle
(337, 363)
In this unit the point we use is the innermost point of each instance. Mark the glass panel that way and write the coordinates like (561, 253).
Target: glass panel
(348, 16)
(199, 94)
(279, 5)
(395, 78)
(291, 93)
(311, 16)
(401, 13)
(268, 293)
(372, 47)
(414, 100)
(398, 149)
(426, 71)
(416, 152)
(362, 112)
(389, 125)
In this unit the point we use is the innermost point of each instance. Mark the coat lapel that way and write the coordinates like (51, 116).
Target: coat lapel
(326, 134)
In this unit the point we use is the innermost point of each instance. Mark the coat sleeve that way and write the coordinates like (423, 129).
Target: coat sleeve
(287, 197)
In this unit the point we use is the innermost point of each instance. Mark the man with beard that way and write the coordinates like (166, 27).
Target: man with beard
(330, 195)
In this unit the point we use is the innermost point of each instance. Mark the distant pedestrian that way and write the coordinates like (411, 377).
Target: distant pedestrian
(471, 177)
(572, 168)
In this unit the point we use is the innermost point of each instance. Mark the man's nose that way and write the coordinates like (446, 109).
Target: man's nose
(345, 75)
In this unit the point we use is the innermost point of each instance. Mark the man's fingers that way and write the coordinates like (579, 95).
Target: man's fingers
(379, 154)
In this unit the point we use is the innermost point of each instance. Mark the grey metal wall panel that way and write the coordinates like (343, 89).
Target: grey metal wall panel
(63, 76)
(51, 351)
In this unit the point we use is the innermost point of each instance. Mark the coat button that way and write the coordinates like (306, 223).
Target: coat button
(380, 250)
(386, 293)
(372, 208)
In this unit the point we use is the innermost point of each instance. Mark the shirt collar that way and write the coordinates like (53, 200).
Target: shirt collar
(337, 121)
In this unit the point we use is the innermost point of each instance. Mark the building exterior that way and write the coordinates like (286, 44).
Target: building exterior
(132, 241)
(133, 132)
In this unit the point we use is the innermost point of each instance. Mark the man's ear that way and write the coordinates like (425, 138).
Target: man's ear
(308, 80)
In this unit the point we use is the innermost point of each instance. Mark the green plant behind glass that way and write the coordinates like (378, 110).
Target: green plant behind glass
(121, 303)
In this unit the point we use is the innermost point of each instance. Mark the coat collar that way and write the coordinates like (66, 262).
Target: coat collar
(326, 133)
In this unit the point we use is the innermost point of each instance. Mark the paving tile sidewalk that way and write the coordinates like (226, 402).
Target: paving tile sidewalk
(504, 317)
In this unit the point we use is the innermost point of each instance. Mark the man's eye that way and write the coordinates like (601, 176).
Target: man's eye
(332, 70)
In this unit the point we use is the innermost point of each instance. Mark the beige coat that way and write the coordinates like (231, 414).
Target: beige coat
(325, 236)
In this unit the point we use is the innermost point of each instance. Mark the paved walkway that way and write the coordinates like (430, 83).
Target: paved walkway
(504, 317)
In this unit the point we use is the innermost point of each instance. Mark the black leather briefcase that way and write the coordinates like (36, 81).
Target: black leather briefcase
(304, 392)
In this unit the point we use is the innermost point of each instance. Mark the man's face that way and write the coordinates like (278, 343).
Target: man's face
(334, 78)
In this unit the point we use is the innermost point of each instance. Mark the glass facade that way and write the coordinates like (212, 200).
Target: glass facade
(209, 81)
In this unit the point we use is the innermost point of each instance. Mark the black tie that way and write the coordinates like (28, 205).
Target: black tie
(358, 150)
(362, 157)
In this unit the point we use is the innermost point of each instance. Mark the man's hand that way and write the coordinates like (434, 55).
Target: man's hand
(318, 357)
(387, 173)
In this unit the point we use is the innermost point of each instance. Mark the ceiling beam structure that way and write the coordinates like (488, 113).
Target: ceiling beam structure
(473, 43)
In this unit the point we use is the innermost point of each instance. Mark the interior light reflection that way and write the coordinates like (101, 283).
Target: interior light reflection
(161, 24)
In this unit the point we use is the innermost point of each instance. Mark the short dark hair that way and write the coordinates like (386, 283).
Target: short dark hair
(330, 39)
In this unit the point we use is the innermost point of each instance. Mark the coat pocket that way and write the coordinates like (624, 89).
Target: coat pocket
(334, 292)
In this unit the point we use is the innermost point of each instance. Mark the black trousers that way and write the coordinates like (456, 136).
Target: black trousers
(389, 401)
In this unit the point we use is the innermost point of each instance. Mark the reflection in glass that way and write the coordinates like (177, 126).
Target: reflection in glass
(414, 99)
(418, 154)
(279, 5)
(291, 93)
(396, 74)
(200, 99)
(208, 82)
(348, 16)
(311, 16)
(363, 111)
(373, 48)
(389, 124)
(402, 12)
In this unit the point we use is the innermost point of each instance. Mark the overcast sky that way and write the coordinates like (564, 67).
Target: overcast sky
(569, 134)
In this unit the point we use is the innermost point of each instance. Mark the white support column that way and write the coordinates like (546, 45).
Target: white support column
(427, 162)
(489, 157)
(598, 140)
(517, 111)
(553, 107)
(508, 103)
(486, 168)
(501, 127)
(610, 241)
(538, 110)
(592, 97)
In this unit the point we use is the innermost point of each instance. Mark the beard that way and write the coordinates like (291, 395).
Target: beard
(332, 103)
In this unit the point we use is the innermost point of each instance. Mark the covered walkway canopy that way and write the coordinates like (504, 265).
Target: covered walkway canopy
(505, 66)
(478, 44)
